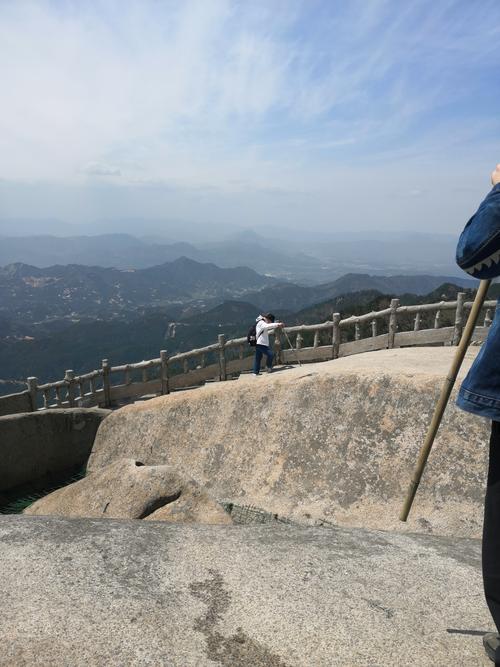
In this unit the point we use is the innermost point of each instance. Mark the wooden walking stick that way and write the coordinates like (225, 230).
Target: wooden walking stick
(444, 397)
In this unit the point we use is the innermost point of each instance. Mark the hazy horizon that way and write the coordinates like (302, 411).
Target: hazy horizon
(313, 116)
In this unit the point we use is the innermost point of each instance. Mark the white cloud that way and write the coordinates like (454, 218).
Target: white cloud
(243, 97)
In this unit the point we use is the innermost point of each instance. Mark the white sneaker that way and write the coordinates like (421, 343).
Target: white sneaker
(256, 375)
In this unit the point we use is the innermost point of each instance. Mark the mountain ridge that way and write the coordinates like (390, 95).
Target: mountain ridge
(65, 290)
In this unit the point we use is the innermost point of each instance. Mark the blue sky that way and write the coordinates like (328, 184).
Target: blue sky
(321, 113)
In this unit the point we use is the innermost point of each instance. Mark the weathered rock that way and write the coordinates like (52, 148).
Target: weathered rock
(36, 445)
(88, 592)
(129, 490)
(334, 441)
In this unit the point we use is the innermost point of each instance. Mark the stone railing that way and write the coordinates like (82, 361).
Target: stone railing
(397, 326)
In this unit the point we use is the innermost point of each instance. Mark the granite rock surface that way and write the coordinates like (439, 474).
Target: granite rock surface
(329, 442)
(128, 489)
(109, 593)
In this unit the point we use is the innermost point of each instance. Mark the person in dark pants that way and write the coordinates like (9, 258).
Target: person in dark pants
(491, 542)
(265, 325)
(478, 253)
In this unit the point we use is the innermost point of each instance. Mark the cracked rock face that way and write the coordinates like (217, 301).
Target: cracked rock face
(127, 489)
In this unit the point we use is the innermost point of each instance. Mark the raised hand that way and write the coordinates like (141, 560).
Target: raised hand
(495, 175)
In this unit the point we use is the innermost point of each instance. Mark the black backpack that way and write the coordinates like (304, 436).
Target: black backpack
(252, 336)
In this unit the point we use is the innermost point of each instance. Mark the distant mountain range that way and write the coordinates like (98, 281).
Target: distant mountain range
(287, 296)
(72, 315)
(31, 293)
(124, 251)
(34, 294)
(308, 260)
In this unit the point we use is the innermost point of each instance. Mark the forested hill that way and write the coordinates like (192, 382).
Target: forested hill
(33, 293)
(290, 297)
(358, 303)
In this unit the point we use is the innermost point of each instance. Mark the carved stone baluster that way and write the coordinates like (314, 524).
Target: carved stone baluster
(46, 398)
(416, 326)
(32, 388)
(357, 331)
(374, 328)
(145, 374)
(278, 346)
(222, 357)
(106, 384)
(69, 377)
(487, 318)
(459, 318)
(185, 366)
(437, 320)
(58, 397)
(316, 338)
(393, 323)
(128, 375)
(203, 360)
(165, 386)
(299, 341)
(241, 352)
(335, 335)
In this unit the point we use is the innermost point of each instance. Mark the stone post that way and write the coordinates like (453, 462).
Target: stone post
(106, 384)
(32, 383)
(165, 388)
(393, 323)
(69, 377)
(335, 335)
(277, 346)
(222, 357)
(459, 318)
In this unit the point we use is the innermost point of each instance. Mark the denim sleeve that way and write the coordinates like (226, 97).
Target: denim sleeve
(478, 250)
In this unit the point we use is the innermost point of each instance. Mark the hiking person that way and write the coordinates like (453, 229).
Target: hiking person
(478, 253)
(265, 325)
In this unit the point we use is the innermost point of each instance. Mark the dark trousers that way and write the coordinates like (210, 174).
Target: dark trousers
(491, 528)
(260, 351)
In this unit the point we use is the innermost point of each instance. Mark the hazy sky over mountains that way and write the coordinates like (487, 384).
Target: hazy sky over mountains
(321, 113)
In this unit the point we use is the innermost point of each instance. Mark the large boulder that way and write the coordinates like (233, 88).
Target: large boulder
(126, 489)
(329, 442)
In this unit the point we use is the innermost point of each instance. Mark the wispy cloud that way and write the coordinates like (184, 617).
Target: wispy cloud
(278, 95)
(99, 169)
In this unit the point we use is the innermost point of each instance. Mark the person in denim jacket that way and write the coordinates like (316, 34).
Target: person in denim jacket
(478, 253)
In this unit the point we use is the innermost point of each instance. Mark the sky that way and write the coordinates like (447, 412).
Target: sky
(313, 115)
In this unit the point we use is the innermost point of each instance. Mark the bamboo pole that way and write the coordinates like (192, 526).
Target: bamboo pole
(444, 397)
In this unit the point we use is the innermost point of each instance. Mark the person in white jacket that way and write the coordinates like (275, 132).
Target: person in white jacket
(265, 325)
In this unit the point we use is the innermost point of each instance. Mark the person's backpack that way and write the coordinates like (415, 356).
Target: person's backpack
(252, 336)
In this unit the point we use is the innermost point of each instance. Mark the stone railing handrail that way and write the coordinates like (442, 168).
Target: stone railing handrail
(96, 387)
